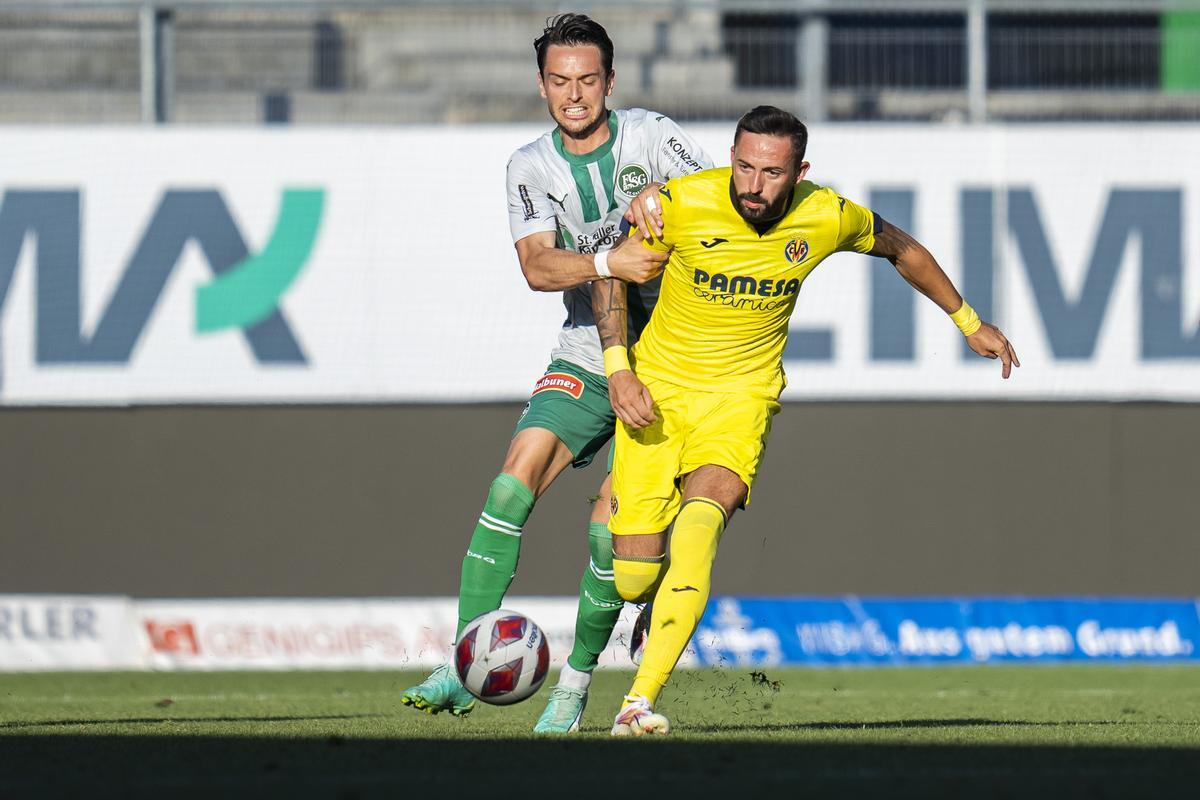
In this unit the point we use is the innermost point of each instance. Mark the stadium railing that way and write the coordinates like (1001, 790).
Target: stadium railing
(427, 61)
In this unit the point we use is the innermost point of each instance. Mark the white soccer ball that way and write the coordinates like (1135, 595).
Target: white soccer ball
(502, 657)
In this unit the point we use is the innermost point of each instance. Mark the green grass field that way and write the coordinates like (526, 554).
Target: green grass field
(972, 732)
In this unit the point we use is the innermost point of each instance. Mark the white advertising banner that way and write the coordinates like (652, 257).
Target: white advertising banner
(54, 632)
(338, 634)
(362, 266)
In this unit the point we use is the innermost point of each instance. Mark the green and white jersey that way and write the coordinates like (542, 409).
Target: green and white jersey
(583, 199)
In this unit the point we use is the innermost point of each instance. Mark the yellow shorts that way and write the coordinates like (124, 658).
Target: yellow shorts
(693, 428)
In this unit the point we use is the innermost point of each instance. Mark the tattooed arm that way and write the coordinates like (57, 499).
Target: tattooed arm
(611, 311)
(629, 397)
(918, 266)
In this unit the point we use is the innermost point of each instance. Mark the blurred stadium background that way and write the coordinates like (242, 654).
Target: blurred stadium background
(306, 62)
(202, 468)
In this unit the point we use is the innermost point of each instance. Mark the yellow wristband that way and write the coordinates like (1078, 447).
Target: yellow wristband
(966, 319)
(616, 358)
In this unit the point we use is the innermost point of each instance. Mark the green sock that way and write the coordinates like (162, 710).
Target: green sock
(491, 560)
(599, 603)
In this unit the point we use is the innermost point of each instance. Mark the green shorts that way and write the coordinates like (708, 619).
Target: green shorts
(571, 403)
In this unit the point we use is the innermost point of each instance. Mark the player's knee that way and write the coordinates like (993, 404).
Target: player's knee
(536, 457)
(636, 581)
(601, 507)
(510, 495)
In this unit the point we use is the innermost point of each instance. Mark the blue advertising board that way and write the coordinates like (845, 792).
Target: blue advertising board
(746, 631)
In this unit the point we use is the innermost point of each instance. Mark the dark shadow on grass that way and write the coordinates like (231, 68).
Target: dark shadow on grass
(907, 723)
(52, 723)
(77, 765)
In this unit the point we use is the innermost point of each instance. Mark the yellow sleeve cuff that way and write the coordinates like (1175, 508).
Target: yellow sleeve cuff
(966, 319)
(616, 358)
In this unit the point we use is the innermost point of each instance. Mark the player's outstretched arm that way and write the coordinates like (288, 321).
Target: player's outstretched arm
(548, 268)
(629, 397)
(918, 266)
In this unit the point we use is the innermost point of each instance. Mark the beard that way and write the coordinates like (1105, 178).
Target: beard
(769, 210)
(581, 129)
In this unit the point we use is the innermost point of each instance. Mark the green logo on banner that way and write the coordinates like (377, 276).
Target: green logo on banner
(249, 291)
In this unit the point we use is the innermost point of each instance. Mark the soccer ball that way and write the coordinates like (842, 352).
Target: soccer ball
(502, 657)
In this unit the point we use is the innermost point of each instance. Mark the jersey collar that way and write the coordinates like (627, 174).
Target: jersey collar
(597, 154)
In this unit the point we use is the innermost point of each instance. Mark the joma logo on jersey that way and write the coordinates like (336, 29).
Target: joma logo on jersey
(632, 179)
(796, 250)
(559, 382)
(744, 284)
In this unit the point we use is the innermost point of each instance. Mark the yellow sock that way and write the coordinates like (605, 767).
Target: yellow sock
(636, 580)
(683, 594)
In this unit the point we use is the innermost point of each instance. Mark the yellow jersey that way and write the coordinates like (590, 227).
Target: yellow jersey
(727, 291)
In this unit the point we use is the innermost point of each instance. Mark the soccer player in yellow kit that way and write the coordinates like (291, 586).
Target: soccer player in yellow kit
(709, 367)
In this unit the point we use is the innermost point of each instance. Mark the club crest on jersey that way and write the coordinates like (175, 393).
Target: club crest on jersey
(559, 382)
(796, 250)
(632, 179)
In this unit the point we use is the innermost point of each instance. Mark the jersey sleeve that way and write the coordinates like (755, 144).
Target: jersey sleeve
(676, 154)
(668, 200)
(529, 209)
(857, 226)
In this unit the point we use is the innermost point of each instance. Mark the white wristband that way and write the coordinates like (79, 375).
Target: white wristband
(601, 262)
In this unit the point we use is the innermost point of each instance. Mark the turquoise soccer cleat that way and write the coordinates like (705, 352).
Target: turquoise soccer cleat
(441, 691)
(563, 712)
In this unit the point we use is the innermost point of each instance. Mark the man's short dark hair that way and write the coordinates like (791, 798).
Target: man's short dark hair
(774, 121)
(571, 30)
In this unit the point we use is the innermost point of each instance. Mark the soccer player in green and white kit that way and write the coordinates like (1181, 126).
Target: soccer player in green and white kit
(566, 196)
